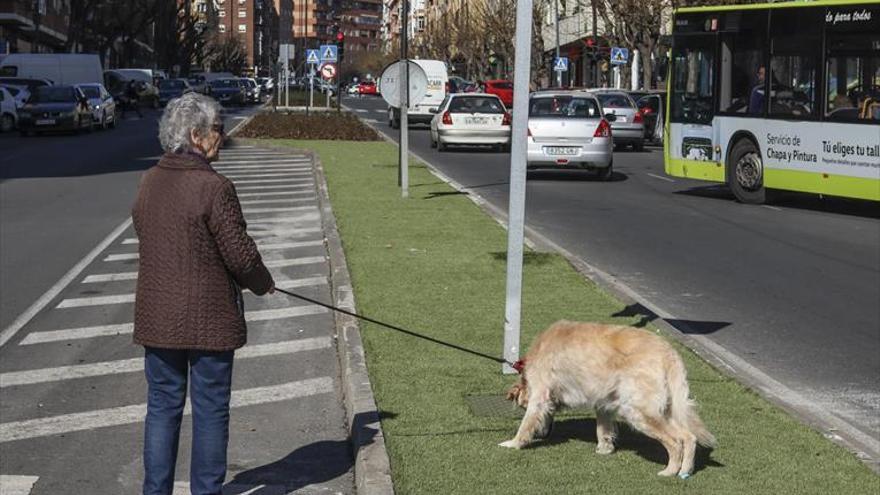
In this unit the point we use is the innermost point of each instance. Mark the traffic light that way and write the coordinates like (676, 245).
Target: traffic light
(340, 44)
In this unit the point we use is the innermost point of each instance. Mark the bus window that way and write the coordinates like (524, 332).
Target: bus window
(741, 88)
(853, 78)
(793, 75)
(693, 80)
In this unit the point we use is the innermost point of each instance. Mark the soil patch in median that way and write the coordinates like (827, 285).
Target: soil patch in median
(332, 126)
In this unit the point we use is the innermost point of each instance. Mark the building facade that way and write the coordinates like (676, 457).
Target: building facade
(362, 24)
(39, 26)
(256, 24)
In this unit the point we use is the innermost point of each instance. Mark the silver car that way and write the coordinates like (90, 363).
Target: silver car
(567, 130)
(471, 119)
(102, 105)
(628, 127)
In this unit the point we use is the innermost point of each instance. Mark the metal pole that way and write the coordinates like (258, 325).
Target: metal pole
(595, 46)
(517, 205)
(403, 175)
(559, 72)
(311, 85)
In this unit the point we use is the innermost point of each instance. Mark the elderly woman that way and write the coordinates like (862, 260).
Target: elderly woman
(195, 255)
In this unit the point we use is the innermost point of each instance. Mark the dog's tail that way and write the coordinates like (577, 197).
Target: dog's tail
(681, 408)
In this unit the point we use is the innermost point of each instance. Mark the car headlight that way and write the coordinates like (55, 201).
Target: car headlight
(97, 107)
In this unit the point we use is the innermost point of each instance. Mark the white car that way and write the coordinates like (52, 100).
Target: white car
(8, 113)
(567, 130)
(19, 93)
(471, 119)
(101, 104)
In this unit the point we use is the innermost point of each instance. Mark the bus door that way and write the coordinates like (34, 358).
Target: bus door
(692, 97)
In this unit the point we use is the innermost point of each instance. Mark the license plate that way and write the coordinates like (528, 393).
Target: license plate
(561, 150)
(476, 120)
(45, 121)
(620, 118)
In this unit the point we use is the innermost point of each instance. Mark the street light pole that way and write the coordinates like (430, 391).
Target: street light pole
(558, 72)
(595, 47)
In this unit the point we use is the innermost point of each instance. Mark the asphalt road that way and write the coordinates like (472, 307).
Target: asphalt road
(60, 195)
(791, 288)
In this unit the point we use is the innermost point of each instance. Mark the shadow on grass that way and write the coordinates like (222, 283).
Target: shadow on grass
(443, 194)
(529, 258)
(584, 429)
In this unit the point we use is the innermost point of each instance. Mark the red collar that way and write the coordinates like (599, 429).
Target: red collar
(519, 366)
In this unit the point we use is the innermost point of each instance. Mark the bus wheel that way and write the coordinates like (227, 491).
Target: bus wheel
(745, 173)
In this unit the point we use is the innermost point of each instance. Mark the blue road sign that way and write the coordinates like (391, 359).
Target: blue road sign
(619, 56)
(328, 53)
(560, 64)
(312, 56)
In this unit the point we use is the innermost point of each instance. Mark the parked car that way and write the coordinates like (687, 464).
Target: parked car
(102, 104)
(172, 88)
(471, 119)
(267, 84)
(502, 88)
(198, 83)
(227, 91)
(567, 129)
(29, 82)
(653, 109)
(19, 93)
(55, 108)
(628, 126)
(252, 90)
(8, 112)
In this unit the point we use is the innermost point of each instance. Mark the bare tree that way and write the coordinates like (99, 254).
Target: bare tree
(227, 53)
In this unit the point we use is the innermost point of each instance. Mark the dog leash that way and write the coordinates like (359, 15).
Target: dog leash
(518, 366)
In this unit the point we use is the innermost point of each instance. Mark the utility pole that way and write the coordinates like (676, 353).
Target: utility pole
(558, 72)
(595, 47)
(403, 170)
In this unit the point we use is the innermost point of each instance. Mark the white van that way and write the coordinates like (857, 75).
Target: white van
(60, 68)
(436, 93)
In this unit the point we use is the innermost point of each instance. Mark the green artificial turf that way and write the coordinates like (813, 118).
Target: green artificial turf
(435, 263)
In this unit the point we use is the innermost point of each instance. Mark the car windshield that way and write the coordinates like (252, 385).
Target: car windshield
(171, 84)
(614, 100)
(53, 94)
(570, 107)
(251, 84)
(91, 91)
(476, 104)
(224, 83)
(13, 90)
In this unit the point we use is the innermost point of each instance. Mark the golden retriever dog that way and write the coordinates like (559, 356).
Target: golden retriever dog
(621, 372)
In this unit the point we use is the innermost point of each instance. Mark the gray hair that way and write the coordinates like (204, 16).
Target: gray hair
(190, 111)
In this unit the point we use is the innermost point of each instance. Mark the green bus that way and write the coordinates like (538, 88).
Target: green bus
(777, 96)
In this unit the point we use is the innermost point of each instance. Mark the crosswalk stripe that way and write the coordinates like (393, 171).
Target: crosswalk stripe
(19, 485)
(286, 186)
(77, 333)
(110, 277)
(116, 416)
(288, 245)
(121, 257)
(267, 222)
(267, 175)
(79, 302)
(300, 282)
(296, 232)
(279, 200)
(60, 373)
(273, 181)
(278, 210)
(306, 190)
(259, 168)
(272, 161)
(130, 240)
(308, 260)
(280, 313)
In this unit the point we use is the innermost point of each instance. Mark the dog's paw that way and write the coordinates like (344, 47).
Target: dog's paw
(510, 444)
(605, 448)
(667, 472)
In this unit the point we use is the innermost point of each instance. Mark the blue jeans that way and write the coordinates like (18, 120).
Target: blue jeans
(210, 376)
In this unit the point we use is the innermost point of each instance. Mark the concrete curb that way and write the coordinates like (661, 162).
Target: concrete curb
(832, 427)
(372, 468)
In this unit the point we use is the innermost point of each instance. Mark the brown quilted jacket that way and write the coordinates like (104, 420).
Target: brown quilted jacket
(194, 255)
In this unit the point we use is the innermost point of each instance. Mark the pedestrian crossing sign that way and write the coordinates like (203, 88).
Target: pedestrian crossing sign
(312, 56)
(328, 53)
(561, 64)
(619, 56)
